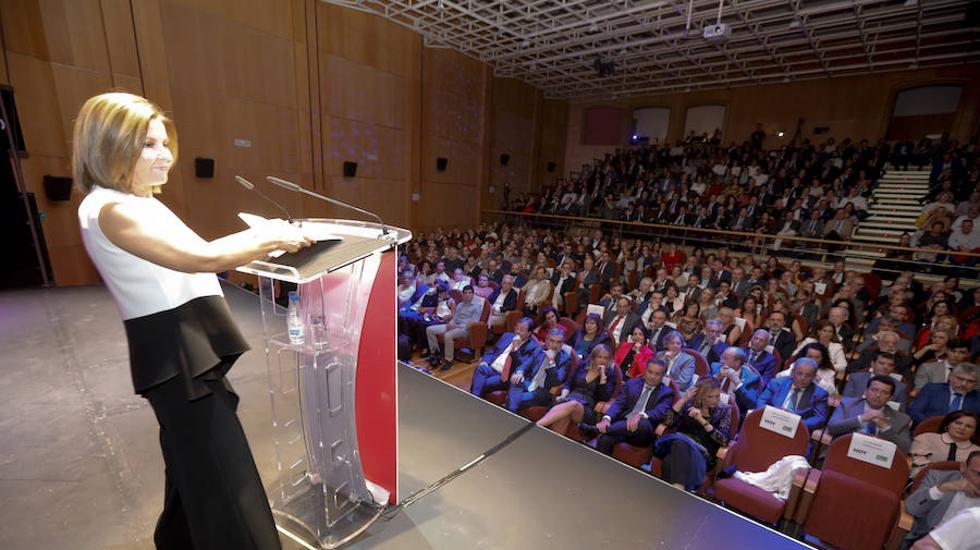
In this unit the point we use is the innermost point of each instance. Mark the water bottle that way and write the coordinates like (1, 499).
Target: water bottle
(294, 321)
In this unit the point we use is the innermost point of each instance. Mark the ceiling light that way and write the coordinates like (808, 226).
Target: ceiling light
(780, 133)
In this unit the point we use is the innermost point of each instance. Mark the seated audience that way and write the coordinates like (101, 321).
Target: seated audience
(680, 365)
(536, 292)
(960, 393)
(700, 424)
(942, 495)
(710, 342)
(620, 322)
(957, 532)
(549, 322)
(953, 441)
(740, 383)
(632, 355)
(434, 307)
(483, 288)
(658, 329)
(871, 415)
(780, 337)
(937, 372)
(468, 311)
(589, 336)
(635, 413)
(588, 385)
(798, 394)
(882, 365)
(826, 376)
(760, 359)
(513, 350)
(502, 300)
(531, 383)
(823, 332)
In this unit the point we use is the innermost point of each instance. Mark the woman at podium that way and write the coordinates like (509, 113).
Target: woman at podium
(182, 339)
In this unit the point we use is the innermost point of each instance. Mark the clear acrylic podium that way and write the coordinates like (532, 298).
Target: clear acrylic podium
(334, 400)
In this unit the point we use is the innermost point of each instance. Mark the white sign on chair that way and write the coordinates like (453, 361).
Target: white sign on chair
(871, 450)
(780, 421)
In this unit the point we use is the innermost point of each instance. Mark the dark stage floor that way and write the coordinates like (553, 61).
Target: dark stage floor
(80, 465)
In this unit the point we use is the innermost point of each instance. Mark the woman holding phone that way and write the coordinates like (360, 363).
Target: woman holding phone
(182, 339)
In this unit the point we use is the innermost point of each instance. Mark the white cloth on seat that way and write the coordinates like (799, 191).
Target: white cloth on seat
(778, 478)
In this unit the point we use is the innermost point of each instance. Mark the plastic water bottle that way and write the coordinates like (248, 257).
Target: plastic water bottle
(294, 321)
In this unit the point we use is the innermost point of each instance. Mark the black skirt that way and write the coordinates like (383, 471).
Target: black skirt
(196, 341)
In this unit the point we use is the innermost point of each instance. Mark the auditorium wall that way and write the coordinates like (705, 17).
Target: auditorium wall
(858, 107)
(288, 87)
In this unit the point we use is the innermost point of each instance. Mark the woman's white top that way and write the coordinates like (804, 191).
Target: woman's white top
(141, 287)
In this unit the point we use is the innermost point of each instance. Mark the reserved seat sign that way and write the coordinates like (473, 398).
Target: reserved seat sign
(871, 450)
(780, 421)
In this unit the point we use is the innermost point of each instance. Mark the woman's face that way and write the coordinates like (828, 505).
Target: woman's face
(551, 318)
(673, 345)
(826, 333)
(748, 306)
(962, 428)
(941, 308)
(601, 358)
(815, 354)
(590, 326)
(939, 338)
(638, 337)
(153, 165)
(711, 398)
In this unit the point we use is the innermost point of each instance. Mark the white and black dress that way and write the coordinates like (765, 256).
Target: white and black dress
(182, 341)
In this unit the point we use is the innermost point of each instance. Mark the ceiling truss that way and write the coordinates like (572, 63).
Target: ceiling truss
(657, 45)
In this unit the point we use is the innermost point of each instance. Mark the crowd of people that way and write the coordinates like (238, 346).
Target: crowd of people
(603, 336)
(816, 191)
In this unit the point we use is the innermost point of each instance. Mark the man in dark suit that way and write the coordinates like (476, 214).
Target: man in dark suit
(798, 394)
(640, 406)
(514, 350)
(606, 269)
(710, 338)
(739, 286)
(586, 278)
(872, 416)
(739, 381)
(883, 364)
(930, 503)
(813, 227)
(960, 393)
(563, 280)
(757, 356)
(532, 381)
(620, 323)
(780, 337)
(658, 330)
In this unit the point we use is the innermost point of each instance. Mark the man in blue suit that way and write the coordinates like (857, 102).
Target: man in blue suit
(757, 356)
(739, 381)
(512, 351)
(531, 382)
(798, 394)
(710, 342)
(638, 409)
(870, 415)
(883, 364)
(960, 393)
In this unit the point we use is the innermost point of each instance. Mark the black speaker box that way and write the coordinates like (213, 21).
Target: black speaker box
(350, 169)
(204, 168)
(441, 164)
(504, 159)
(57, 188)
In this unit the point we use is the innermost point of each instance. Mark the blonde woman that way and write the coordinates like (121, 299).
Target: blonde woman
(585, 387)
(182, 340)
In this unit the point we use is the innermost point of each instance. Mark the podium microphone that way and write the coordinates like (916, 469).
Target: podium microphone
(251, 187)
(297, 189)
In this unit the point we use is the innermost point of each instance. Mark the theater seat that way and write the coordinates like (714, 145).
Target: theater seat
(700, 363)
(928, 425)
(755, 450)
(853, 504)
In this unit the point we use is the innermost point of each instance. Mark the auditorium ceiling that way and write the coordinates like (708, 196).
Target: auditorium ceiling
(585, 49)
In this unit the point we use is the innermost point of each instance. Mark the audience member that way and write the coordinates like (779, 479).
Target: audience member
(942, 495)
(632, 355)
(513, 350)
(883, 364)
(953, 441)
(588, 385)
(739, 383)
(531, 383)
(798, 394)
(871, 415)
(621, 321)
(937, 372)
(589, 336)
(757, 357)
(502, 300)
(680, 365)
(635, 413)
(960, 393)
(468, 311)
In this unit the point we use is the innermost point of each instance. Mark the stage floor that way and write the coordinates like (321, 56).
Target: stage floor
(80, 465)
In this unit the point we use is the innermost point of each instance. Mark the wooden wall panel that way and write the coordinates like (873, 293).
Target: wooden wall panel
(369, 40)
(120, 39)
(37, 105)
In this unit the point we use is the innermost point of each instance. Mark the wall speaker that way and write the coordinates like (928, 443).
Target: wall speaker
(203, 167)
(441, 164)
(552, 166)
(57, 189)
(350, 169)
(504, 159)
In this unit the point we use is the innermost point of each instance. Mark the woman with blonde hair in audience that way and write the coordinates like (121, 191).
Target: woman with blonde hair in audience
(824, 333)
(955, 439)
(942, 323)
(731, 329)
(706, 302)
(589, 384)
(701, 425)
(751, 311)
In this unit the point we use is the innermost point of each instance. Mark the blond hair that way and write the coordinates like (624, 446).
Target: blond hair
(108, 139)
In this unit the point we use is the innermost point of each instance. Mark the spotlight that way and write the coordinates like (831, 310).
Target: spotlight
(780, 133)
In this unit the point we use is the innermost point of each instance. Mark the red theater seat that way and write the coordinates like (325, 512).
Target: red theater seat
(754, 451)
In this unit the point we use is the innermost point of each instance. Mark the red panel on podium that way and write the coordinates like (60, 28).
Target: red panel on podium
(376, 386)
